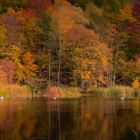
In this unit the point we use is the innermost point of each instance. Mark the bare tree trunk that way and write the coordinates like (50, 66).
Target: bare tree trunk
(49, 67)
(59, 62)
(60, 41)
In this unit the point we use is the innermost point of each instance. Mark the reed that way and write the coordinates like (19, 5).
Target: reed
(113, 91)
(14, 90)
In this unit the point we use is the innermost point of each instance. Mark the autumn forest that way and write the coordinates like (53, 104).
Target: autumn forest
(69, 69)
(72, 43)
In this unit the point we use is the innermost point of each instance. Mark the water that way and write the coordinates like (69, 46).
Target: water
(87, 118)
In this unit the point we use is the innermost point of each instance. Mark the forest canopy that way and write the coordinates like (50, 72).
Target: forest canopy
(70, 42)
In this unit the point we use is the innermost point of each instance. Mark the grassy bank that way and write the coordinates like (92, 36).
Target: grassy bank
(17, 91)
(14, 91)
(114, 91)
(137, 92)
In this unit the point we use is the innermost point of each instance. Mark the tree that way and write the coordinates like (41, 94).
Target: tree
(134, 26)
(40, 6)
(2, 35)
(29, 67)
(23, 64)
(12, 32)
(82, 47)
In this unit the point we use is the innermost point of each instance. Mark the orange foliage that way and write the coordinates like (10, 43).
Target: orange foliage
(91, 63)
(69, 15)
(29, 66)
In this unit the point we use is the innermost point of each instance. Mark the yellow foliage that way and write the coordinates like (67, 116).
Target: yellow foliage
(85, 75)
(25, 67)
(101, 79)
(136, 84)
(92, 56)
(29, 66)
(13, 53)
(2, 35)
(126, 13)
(71, 15)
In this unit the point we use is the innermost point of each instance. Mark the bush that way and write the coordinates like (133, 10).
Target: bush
(63, 92)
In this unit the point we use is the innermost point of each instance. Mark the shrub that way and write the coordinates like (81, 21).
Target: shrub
(63, 92)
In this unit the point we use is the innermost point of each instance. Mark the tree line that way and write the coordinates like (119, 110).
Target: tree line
(70, 42)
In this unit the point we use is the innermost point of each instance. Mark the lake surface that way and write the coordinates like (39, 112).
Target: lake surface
(87, 118)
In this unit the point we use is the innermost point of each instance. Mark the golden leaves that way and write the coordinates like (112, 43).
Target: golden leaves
(136, 84)
(126, 13)
(29, 66)
(85, 75)
(2, 35)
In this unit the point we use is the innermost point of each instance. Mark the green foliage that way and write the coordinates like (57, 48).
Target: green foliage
(46, 25)
(121, 91)
(94, 13)
(113, 6)
(110, 5)
(4, 4)
(71, 91)
(97, 91)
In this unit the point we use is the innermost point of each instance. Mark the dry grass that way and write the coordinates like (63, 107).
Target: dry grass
(113, 91)
(14, 90)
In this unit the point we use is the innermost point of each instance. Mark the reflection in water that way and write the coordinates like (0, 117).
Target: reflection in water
(83, 119)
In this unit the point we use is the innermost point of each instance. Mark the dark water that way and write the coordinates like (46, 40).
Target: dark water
(82, 119)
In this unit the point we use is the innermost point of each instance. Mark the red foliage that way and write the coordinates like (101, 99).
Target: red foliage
(30, 13)
(136, 10)
(134, 27)
(54, 92)
(12, 25)
(38, 5)
(8, 67)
